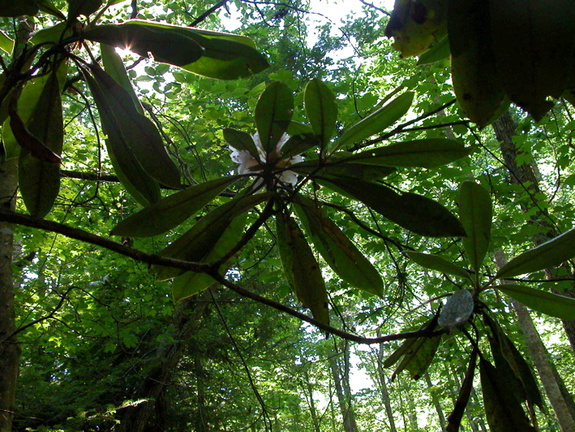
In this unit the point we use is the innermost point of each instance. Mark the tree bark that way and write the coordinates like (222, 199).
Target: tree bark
(505, 130)
(382, 380)
(340, 373)
(559, 397)
(9, 348)
(435, 401)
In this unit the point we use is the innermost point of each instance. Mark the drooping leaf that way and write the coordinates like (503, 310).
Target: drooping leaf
(413, 212)
(12, 8)
(139, 133)
(407, 345)
(321, 109)
(475, 214)
(199, 241)
(241, 141)
(132, 175)
(191, 283)
(211, 54)
(114, 66)
(376, 121)
(551, 304)
(39, 180)
(171, 211)
(418, 357)
(438, 263)
(273, 113)
(336, 249)
(301, 268)
(473, 67)
(426, 153)
(416, 24)
(546, 255)
(502, 409)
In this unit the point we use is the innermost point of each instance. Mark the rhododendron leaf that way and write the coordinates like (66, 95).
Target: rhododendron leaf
(550, 304)
(273, 113)
(241, 141)
(475, 214)
(171, 211)
(321, 109)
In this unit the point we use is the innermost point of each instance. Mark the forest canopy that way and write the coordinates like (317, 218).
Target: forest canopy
(250, 215)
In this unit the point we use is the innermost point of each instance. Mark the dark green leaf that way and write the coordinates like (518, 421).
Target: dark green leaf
(40, 179)
(551, 304)
(82, 7)
(51, 34)
(191, 283)
(342, 169)
(321, 109)
(475, 214)
(502, 409)
(301, 268)
(139, 133)
(376, 121)
(438, 51)
(298, 144)
(337, 250)
(426, 153)
(48, 7)
(440, 264)
(114, 66)
(127, 167)
(171, 211)
(273, 113)
(241, 141)
(199, 241)
(14, 8)
(457, 310)
(413, 212)
(547, 255)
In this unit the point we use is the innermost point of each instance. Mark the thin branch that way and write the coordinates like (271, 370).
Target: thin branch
(207, 13)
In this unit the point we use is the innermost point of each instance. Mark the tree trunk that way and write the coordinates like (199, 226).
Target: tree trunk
(340, 373)
(505, 130)
(139, 418)
(560, 399)
(382, 381)
(9, 348)
(308, 388)
(435, 401)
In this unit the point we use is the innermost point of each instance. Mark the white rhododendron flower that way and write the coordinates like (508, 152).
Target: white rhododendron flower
(249, 164)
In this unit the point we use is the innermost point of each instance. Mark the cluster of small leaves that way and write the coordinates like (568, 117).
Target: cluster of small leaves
(500, 51)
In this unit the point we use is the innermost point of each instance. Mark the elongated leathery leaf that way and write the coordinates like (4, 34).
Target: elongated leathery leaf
(426, 153)
(114, 66)
(191, 283)
(140, 134)
(40, 179)
(549, 254)
(301, 268)
(241, 141)
(413, 212)
(551, 304)
(342, 169)
(321, 109)
(475, 214)
(128, 169)
(82, 7)
(438, 263)
(273, 113)
(338, 250)
(11, 8)
(197, 243)
(212, 54)
(502, 409)
(376, 121)
(171, 211)
(418, 357)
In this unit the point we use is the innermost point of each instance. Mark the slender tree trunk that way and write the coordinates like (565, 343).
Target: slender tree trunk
(9, 348)
(308, 387)
(560, 399)
(505, 130)
(435, 401)
(340, 372)
(382, 381)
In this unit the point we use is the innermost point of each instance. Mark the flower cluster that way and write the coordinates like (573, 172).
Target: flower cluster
(249, 164)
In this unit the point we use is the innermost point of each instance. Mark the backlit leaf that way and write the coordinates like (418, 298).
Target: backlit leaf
(546, 255)
(413, 212)
(337, 250)
(114, 66)
(14, 8)
(321, 109)
(241, 141)
(273, 113)
(376, 121)
(438, 263)
(551, 304)
(6, 43)
(301, 268)
(475, 214)
(82, 7)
